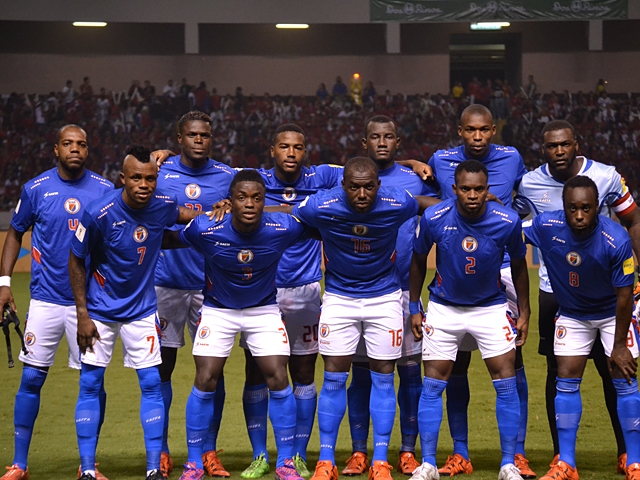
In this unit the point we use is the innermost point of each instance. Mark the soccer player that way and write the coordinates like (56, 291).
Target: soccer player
(359, 226)
(541, 191)
(506, 169)
(52, 204)
(197, 182)
(120, 234)
(381, 143)
(591, 269)
(241, 254)
(468, 297)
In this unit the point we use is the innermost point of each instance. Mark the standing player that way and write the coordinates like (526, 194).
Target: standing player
(197, 182)
(121, 234)
(468, 297)
(381, 142)
(52, 204)
(541, 191)
(359, 227)
(241, 258)
(590, 265)
(506, 168)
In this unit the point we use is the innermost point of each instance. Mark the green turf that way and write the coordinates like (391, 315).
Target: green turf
(54, 452)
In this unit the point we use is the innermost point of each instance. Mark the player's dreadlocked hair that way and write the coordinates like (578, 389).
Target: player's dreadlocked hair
(193, 115)
(142, 153)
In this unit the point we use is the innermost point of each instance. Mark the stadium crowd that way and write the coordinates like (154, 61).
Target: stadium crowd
(608, 126)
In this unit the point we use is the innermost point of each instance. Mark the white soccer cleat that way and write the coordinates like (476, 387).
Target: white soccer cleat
(426, 471)
(509, 472)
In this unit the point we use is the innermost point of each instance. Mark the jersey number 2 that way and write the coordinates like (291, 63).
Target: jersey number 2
(470, 268)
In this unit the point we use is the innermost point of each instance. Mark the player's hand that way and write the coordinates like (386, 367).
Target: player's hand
(6, 296)
(416, 325)
(421, 169)
(220, 209)
(622, 359)
(522, 327)
(160, 156)
(87, 333)
(492, 198)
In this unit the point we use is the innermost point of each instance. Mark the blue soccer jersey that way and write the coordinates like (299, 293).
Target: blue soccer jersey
(469, 253)
(53, 206)
(198, 189)
(359, 248)
(123, 245)
(300, 264)
(584, 272)
(240, 267)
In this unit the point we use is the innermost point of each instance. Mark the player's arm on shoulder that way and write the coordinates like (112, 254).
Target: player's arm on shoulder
(185, 215)
(10, 252)
(623, 363)
(425, 202)
(424, 171)
(171, 240)
(87, 331)
(520, 276)
(161, 155)
(279, 208)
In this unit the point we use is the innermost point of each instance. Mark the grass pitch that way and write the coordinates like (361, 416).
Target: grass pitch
(54, 452)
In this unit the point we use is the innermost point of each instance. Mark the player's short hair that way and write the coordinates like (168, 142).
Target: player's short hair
(476, 109)
(246, 175)
(555, 125)
(288, 127)
(470, 166)
(360, 164)
(579, 181)
(193, 115)
(379, 119)
(64, 127)
(140, 152)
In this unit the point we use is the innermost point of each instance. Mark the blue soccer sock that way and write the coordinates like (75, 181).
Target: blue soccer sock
(383, 412)
(25, 412)
(430, 417)
(88, 414)
(282, 413)
(508, 416)
(151, 414)
(628, 413)
(408, 398)
(358, 395)
(210, 442)
(332, 404)
(568, 412)
(255, 403)
(457, 406)
(167, 397)
(523, 396)
(199, 415)
(102, 398)
(306, 399)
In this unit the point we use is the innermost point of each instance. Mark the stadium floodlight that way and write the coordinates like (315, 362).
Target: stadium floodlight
(489, 25)
(89, 24)
(299, 26)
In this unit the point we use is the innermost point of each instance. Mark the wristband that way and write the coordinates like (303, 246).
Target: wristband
(414, 307)
(5, 281)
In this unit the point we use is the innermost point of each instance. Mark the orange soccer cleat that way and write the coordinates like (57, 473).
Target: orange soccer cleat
(14, 472)
(380, 471)
(523, 465)
(357, 464)
(455, 465)
(325, 470)
(561, 471)
(212, 464)
(407, 463)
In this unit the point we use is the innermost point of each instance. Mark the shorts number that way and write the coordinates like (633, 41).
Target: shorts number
(360, 245)
(396, 338)
(508, 333)
(152, 339)
(284, 334)
(469, 268)
(194, 206)
(141, 252)
(247, 273)
(310, 332)
(574, 279)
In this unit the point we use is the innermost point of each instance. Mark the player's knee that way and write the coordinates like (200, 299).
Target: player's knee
(91, 379)
(149, 379)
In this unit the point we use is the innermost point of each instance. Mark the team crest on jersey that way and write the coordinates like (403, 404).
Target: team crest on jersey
(204, 332)
(29, 339)
(469, 244)
(72, 205)
(289, 194)
(561, 332)
(574, 259)
(360, 229)
(192, 191)
(163, 324)
(324, 330)
(428, 329)
(245, 256)
(140, 234)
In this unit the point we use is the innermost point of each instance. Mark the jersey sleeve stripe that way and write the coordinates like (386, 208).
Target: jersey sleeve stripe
(624, 205)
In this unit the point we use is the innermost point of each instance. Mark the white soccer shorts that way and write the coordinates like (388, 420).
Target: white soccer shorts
(345, 319)
(177, 308)
(140, 343)
(445, 327)
(264, 331)
(576, 337)
(45, 325)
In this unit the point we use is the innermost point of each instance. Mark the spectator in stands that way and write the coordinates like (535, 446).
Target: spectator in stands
(458, 90)
(169, 90)
(601, 87)
(322, 92)
(185, 88)
(369, 92)
(531, 88)
(86, 90)
(339, 88)
(68, 93)
(149, 90)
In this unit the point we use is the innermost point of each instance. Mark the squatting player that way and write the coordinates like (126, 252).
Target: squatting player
(506, 168)
(468, 297)
(121, 234)
(541, 191)
(197, 182)
(590, 265)
(52, 204)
